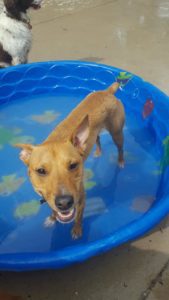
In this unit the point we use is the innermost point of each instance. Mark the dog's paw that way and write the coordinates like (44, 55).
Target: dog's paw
(97, 153)
(49, 222)
(76, 231)
(121, 164)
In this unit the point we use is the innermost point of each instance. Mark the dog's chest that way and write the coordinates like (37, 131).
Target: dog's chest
(15, 36)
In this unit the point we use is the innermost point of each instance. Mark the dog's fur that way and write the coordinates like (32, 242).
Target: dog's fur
(15, 32)
(55, 167)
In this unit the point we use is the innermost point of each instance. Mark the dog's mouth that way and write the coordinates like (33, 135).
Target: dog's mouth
(63, 217)
(66, 216)
(35, 6)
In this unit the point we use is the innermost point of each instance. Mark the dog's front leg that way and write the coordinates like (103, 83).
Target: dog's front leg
(16, 61)
(77, 228)
(19, 60)
(51, 220)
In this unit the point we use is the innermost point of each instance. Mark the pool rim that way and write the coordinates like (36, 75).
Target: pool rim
(62, 258)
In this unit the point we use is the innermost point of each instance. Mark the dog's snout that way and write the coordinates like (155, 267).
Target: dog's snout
(64, 202)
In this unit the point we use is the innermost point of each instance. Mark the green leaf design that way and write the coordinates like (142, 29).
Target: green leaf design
(88, 174)
(157, 172)
(27, 209)
(166, 140)
(10, 136)
(123, 78)
(10, 184)
(5, 135)
(124, 75)
(165, 158)
(88, 184)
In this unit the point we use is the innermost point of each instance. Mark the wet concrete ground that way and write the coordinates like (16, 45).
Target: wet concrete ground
(132, 35)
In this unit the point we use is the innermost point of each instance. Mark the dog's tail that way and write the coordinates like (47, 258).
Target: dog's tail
(113, 88)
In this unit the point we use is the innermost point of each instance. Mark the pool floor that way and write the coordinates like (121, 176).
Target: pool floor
(115, 197)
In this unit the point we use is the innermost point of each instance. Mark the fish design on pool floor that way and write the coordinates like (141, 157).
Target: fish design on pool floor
(94, 206)
(46, 118)
(142, 203)
(27, 209)
(10, 184)
(11, 136)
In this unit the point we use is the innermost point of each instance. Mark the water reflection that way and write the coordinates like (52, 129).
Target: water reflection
(163, 10)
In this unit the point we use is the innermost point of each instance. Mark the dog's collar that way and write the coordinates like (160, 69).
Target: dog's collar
(42, 201)
(23, 20)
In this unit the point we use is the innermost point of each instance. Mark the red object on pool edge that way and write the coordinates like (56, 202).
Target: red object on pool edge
(148, 108)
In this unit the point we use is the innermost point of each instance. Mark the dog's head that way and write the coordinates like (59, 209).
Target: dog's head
(56, 170)
(16, 7)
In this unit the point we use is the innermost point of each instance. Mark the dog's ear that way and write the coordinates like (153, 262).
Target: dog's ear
(81, 134)
(12, 8)
(25, 153)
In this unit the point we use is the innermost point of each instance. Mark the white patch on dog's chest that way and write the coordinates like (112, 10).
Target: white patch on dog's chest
(15, 36)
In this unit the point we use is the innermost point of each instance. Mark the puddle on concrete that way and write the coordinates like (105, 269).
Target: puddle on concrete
(70, 5)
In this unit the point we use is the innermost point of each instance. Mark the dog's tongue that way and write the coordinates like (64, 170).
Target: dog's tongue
(66, 217)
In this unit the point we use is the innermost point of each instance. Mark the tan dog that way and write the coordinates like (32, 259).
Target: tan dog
(55, 167)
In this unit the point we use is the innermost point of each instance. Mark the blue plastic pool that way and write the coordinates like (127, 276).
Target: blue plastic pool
(121, 204)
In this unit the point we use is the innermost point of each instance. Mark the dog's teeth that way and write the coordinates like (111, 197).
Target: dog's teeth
(49, 222)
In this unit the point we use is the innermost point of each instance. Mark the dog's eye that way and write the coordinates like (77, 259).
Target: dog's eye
(73, 166)
(41, 171)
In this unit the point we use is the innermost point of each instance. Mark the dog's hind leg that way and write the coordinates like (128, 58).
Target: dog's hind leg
(119, 141)
(115, 125)
(98, 151)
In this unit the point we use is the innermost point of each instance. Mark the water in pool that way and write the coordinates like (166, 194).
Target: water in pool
(115, 197)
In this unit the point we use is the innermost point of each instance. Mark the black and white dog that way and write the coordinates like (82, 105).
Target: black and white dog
(15, 32)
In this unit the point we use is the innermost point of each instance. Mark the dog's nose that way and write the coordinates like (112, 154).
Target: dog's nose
(64, 202)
